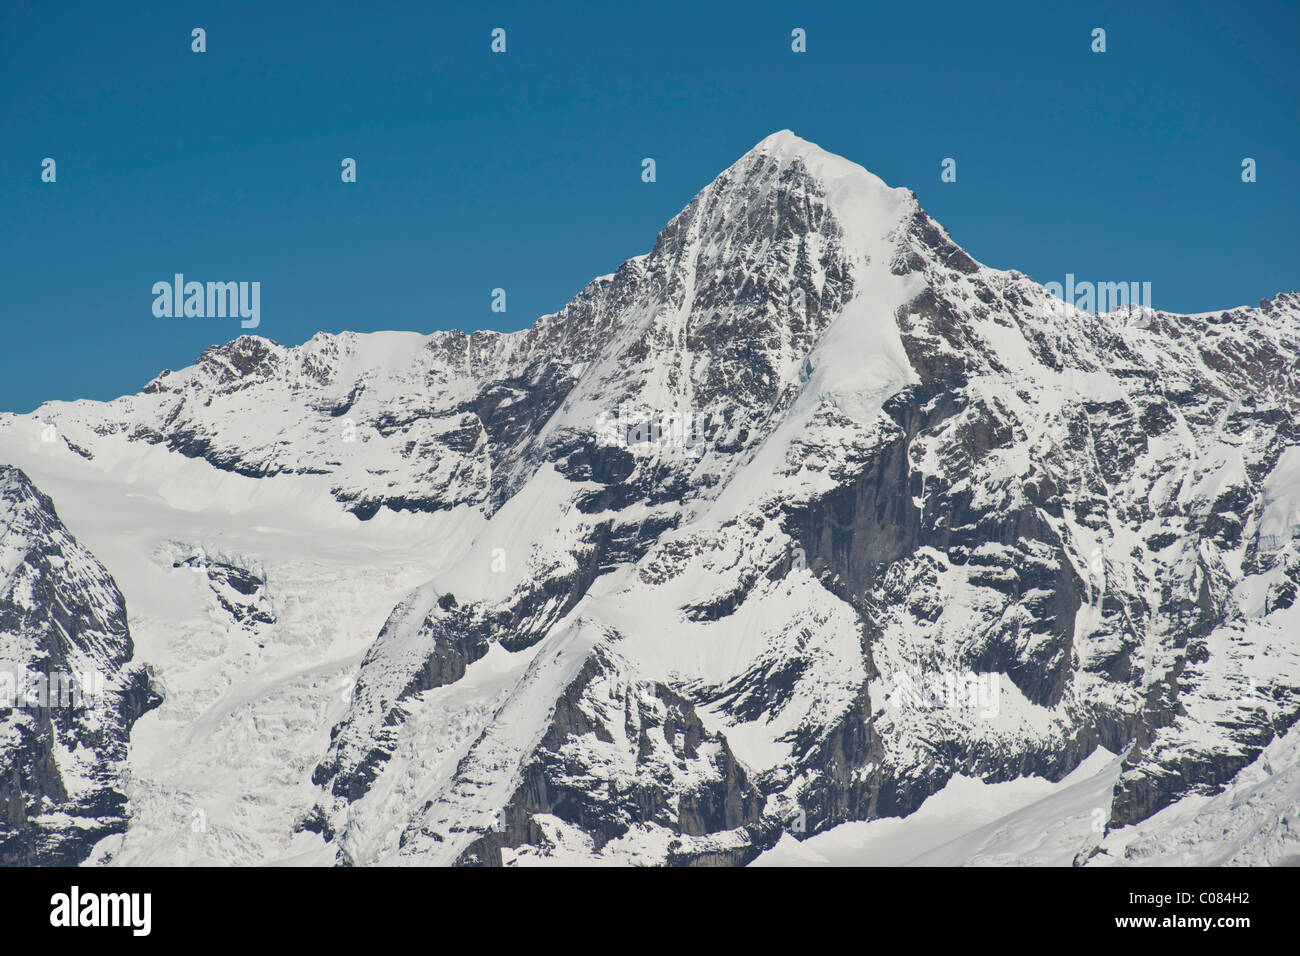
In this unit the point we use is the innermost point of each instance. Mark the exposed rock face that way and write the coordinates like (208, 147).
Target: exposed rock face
(67, 696)
(427, 642)
(744, 504)
(619, 755)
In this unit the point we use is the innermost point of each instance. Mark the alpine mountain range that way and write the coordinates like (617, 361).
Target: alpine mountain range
(660, 580)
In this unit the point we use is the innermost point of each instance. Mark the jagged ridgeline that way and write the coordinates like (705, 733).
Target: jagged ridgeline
(643, 583)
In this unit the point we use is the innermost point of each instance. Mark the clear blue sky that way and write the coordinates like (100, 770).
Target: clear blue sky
(522, 170)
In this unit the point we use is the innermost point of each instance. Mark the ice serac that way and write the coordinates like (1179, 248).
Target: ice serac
(733, 500)
(68, 696)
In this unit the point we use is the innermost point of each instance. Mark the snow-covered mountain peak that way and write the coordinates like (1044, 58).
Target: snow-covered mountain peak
(787, 148)
(861, 209)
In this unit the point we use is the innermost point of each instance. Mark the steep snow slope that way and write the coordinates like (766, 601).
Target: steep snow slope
(1023, 822)
(680, 567)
